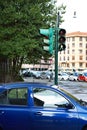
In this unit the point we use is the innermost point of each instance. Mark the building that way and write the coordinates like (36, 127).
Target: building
(75, 55)
(42, 65)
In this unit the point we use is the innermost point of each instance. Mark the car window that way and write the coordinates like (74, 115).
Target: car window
(14, 96)
(48, 98)
(85, 74)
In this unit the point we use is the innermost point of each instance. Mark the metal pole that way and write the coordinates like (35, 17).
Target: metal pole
(56, 50)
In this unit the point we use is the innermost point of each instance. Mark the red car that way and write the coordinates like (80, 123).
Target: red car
(82, 77)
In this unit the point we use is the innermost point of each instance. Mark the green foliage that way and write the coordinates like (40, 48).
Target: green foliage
(20, 21)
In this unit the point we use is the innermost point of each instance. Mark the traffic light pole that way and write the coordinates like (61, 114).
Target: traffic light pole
(56, 49)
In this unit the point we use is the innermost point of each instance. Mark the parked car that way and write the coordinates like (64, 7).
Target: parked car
(36, 106)
(63, 76)
(47, 74)
(35, 74)
(82, 77)
(27, 74)
(31, 73)
(23, 71)
(73, 77)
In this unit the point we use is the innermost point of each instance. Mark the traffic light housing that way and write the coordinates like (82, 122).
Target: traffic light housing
(48, 35)
(61, 39)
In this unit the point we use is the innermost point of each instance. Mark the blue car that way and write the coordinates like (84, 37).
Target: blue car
(37, 106)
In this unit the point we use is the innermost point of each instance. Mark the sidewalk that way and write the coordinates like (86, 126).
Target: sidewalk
(31, 79)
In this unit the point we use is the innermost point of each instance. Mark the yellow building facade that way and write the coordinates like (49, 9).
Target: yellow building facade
(75, 55)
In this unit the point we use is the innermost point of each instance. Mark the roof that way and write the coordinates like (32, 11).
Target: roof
(77, 33)
(22, 84)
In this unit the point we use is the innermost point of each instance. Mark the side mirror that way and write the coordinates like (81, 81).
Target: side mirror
(68, 106)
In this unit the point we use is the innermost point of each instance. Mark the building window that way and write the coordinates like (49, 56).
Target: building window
(86, 38)
(73, 64)
(80, 51)
(73, 38)
(67, 65)
(73, 57)
(73, 44)
(80, 38)
(86, 65)
(68, 39)
(80, 44)
(80, 64)
(68, 58)
(80, 57)
(64, 58)
(73, 51)
(67, 51)
(68, 46)
(86, 45)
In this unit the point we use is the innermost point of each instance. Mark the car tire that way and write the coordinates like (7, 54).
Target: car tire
(1, 128)
(85, 128)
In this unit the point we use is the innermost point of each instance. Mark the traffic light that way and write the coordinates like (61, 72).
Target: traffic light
(61, 39)
(48, 35)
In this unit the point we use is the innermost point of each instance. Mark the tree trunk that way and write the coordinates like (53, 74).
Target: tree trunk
(4, 70)
(7, 74)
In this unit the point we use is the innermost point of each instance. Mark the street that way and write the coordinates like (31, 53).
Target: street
(78, 89)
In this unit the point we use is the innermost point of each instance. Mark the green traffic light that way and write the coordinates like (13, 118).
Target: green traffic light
(48, 34)
(44, 32)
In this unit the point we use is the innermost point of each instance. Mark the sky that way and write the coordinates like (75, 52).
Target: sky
(80, 22)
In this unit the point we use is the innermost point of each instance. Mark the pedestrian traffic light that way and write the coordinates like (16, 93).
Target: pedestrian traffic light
(48, 35)
(61, 39)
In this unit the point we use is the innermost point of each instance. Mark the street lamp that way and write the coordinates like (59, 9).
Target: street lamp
(74, 16)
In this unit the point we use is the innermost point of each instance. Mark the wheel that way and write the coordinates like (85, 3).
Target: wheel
(85, 128)
(1, 128)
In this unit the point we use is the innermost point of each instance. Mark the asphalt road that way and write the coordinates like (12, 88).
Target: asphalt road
(78, 89)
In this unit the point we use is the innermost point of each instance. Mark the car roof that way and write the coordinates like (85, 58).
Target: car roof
(23, 84)
(2, 88)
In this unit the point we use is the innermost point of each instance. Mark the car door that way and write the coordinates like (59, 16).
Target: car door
(49, 111)
(14, 110)
(81, 77)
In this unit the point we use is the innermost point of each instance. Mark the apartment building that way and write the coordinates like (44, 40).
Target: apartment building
(75, 55)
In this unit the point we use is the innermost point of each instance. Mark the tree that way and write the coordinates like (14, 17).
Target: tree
(20, 21)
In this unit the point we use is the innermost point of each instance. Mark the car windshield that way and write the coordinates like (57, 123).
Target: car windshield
(75, 74)
(64, 74)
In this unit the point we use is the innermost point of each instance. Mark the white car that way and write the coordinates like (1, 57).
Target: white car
(63, 76)
(73, 77)
(35, 74)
